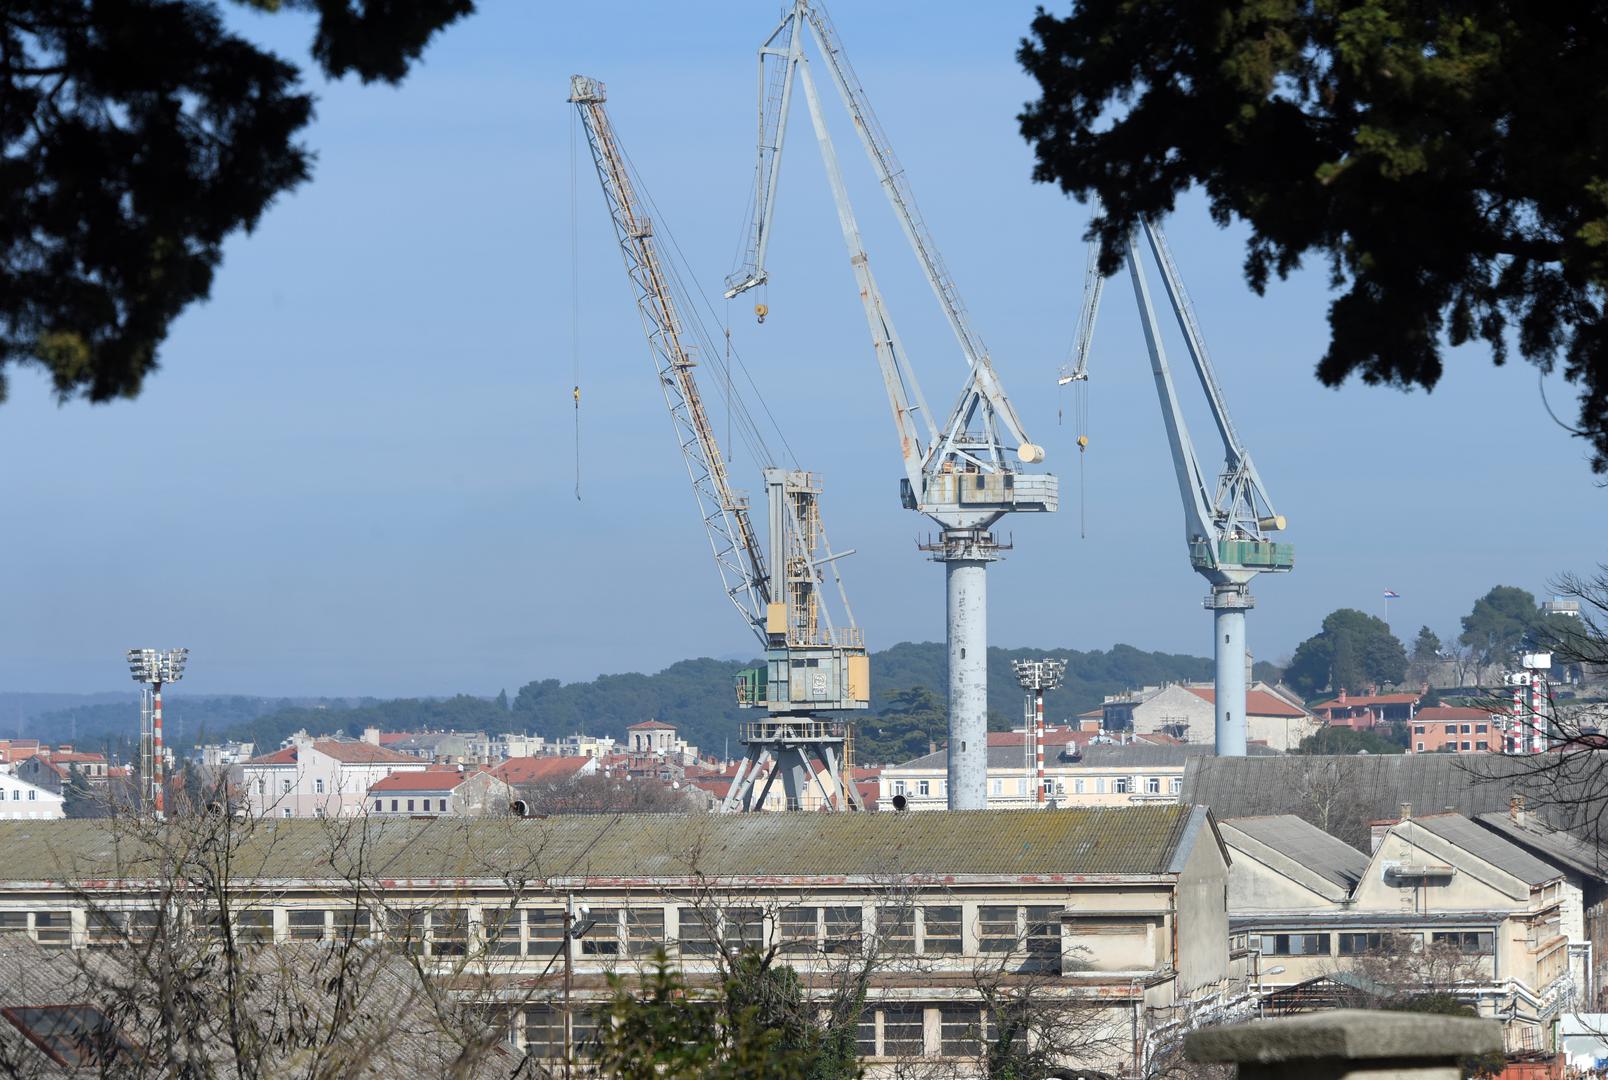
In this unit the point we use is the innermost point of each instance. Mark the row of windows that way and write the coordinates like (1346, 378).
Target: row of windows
(1452, 729)
(1120, 785)
(16, 794)
(1029, 934)
(1479, 744)
(379, 805)
(950, 1030)
(1473, 942)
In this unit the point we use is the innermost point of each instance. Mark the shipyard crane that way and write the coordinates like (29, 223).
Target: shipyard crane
(812, 664)
(960, 474)
(1227, 524)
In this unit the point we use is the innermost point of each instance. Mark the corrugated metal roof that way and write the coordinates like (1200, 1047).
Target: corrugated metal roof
(1306, 844)
(1559, 848)
(1558, 787)
(1140, 840)
(1486, 845)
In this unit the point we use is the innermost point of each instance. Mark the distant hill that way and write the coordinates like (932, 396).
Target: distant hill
(694, 695)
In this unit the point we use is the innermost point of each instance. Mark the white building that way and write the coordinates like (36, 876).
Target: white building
(20, 799)
(319, 777)
(435, 792)
(1186, 711)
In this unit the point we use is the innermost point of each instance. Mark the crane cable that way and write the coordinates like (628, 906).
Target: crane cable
(1080, 414)
(575, 305)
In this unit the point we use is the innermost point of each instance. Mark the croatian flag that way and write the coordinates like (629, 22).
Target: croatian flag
(1392, 594)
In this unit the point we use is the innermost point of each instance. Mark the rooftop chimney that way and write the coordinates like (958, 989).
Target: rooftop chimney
(1342, 697)
(371, 735)
(1516, 811)
(1406, 811)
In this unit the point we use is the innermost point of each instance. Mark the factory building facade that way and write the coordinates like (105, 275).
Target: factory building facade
(1111, 923)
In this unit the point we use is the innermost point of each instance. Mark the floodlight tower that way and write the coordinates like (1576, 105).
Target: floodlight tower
(154, 668)
(1037, 676)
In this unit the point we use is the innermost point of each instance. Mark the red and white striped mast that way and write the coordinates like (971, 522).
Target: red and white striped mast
(1037, 676)
(154, 667)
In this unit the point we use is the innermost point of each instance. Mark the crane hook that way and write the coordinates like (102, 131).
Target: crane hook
(761, 310)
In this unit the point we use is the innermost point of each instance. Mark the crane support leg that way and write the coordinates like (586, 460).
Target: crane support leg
(1228, 603)
(966, 558)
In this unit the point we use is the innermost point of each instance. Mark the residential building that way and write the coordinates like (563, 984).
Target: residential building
(1115, 917)
(440, 791)
(216, 757)
(1448, 901)
(579, 745)
(1186, 711)
(51, 769)
(1455, 730)
(1364, 712)
(20, 799)
(319, 777)
(437, 747)
(496, 748)
(1080, 769)
(16, 751)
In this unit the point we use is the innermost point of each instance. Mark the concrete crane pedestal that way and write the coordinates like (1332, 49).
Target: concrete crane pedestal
(1228, 604)
(966, 554)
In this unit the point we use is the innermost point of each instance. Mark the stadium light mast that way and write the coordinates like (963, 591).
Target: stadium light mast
(153, 668)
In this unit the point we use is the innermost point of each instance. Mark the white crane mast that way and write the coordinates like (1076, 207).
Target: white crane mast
(1227, 522)
(960, 473)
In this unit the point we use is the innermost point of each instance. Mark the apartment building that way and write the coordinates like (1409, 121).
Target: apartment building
(440, 791)
(1186, 711)
(1083, 770)
(20, 799)
(1455, 730)
(319, 777)
(1441, 897)
(1111, 919)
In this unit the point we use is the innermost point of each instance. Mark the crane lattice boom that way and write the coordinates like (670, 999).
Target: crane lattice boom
(737, 552)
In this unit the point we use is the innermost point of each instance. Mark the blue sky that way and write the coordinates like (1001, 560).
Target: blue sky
(355, 470)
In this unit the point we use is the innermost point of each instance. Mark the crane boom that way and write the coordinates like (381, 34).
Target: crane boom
(1226, 525)
(811, 665)
(959, 473)
(738, 555)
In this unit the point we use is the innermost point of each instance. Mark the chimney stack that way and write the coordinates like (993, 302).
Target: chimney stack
(1406, 811)
(371, 735)
(1516, 811)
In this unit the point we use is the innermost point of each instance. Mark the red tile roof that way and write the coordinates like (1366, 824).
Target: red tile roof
(72, 757)
(1257, 702)
(527, 770)
(347, 753)
(426, 780)
(1367, 699)
(1436, 714)
(652, 725)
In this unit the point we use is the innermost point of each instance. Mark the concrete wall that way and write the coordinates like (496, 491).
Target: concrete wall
(1202, 948)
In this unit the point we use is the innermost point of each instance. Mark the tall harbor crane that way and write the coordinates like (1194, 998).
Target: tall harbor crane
(1227, 525)
(960, 474)
(812, 665)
